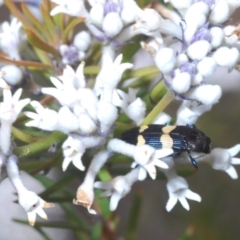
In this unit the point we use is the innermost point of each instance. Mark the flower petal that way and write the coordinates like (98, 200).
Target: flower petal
(114, 201)
(192, 195)
(103, 185)
(184, 203)
(234, 150)
(235, 161)
(31, 218)
(77, 162)
(171, 202)
(41, 213)
(142, 174)
(65, 163)
(231, 171)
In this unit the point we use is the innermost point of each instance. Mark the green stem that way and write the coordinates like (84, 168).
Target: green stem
(39, 146)
(162, 104)
(23, 136)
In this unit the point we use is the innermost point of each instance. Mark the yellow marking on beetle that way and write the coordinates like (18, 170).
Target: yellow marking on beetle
(168, 129)
(140, 140)
(143, 128)
(166, 140)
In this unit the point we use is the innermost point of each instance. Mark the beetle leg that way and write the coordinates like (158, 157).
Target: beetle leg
(193, 161)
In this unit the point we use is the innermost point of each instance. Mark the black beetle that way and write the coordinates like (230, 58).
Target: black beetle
(179, 138)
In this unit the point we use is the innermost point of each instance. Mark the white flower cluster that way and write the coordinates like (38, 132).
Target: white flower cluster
(187, 47)
(204, 45)
(9, 111)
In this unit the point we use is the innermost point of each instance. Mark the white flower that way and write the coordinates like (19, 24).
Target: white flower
(162, 118)
(85, 193)
(223, 159)
(70, 78)
(82, 40)
(129, 12)
(11, 105)
(165, 60)
(206, 66)
(33, 205)
(112, 24)
(205, 94)
(134, 107)
(148, 158)
(28, 200)
(66, 94)
(144, 155)
(220, 12)
(198, 50)
(74, 147)
(13, 74)
(97, 14)
(190, 111)
(73, 8)
(118, 187)
(217, 35)
(181, 82)
(136, 111)
(45, 118)
(73, 150)
(67, 120)
(110, 74)
(226, 57)
(231, 35)
(195, 17)
(178, 191)
(85, 197)
(10, 38)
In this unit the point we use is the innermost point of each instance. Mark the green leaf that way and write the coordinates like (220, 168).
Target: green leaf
(20, 135)
(96, 231)
(58, 185)
(43, 234)
(40, 26)
(38, 43)
(70, 28)
(28, 64)
(134, 216)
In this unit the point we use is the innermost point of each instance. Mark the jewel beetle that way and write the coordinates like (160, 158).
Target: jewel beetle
(179, 138)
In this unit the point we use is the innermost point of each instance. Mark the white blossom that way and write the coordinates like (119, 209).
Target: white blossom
(74, 148)
(165, 60)
(205, 94)
(178, 191)
(118, 187)
(45, 118)
(223, 159)
(28, 200)
(10, 38)
(85, 193)
(82, 41)
(198, 50)
(181, 82)
(73, 8)
(13, 74)
(112, 24)
(144, 155)
(226, 57)
(189, 112)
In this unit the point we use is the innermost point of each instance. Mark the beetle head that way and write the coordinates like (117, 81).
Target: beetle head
(198, 141)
